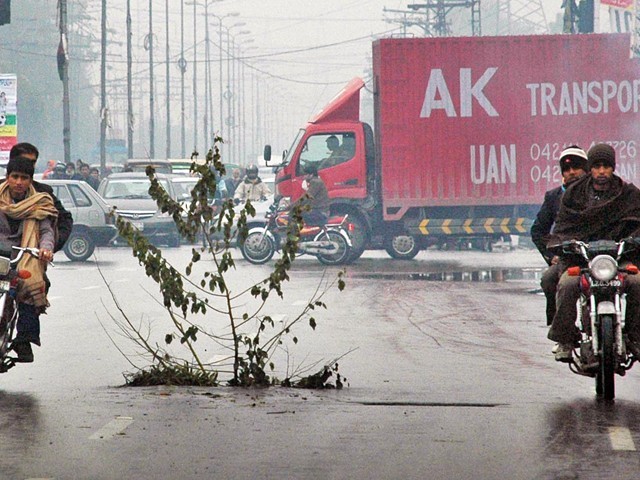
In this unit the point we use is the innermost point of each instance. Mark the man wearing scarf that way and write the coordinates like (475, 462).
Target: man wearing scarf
(27, 219)
(599, 206)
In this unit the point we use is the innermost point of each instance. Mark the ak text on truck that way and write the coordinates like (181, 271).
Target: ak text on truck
(468, 134)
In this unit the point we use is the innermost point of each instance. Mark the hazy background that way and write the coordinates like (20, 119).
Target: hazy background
(286, 58)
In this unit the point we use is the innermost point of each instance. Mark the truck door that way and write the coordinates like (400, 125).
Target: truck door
(340, 161)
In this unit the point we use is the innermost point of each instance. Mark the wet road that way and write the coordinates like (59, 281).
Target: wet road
(450, 377)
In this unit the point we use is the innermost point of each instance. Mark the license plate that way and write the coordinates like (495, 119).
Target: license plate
(138, 225)
(4, 285)
(610, 283)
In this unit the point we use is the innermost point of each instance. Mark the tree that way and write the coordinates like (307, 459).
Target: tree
(251, 336)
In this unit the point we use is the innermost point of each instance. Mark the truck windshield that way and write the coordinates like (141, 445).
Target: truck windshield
(294, 145)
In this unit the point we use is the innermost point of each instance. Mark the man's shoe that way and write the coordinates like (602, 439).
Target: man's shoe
(24, 352)
(633, 347)
(564, 352)
(555, 348)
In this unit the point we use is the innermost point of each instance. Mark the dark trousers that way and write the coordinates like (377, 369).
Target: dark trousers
(28, 326)
(549, 284)
(314, 217)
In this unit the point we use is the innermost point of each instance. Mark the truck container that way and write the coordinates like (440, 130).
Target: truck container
(468, 134)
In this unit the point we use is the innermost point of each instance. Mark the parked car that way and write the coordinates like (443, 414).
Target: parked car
(141, 164)
(129, 193)
(92, 223)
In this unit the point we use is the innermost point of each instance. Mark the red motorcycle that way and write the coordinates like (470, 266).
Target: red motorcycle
(329, 243)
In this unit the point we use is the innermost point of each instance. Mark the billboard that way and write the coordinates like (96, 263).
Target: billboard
(8, 115)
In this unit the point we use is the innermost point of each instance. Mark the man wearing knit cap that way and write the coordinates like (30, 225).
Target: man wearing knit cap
(598, 206)
(573, 165)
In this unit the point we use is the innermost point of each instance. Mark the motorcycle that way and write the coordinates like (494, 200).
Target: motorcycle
(602, 351)
(329, 243)
(10, 278)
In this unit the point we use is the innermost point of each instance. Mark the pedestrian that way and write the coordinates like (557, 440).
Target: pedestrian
(85, 175)
(233, 181)
(573, 165)
(70, 172)
(27, 219)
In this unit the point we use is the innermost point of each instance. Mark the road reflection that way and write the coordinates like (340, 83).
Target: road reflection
(20, 422)
(486, 275)
(581, 440)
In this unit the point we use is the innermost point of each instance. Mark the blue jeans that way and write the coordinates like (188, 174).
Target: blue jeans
(28, 326)
(314, 217)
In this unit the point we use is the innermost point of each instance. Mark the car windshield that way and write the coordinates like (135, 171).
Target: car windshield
(183, 188)
(130, 188)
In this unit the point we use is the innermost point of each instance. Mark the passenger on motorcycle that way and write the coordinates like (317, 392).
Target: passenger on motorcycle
(315, 203)
(27, 219)
(599, 206)
(573, 165)
(252, 188)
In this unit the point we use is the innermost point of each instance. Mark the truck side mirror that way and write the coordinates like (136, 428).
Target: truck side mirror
(267, 153)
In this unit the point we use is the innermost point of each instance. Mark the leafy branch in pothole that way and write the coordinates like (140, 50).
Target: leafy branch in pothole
(219, 325)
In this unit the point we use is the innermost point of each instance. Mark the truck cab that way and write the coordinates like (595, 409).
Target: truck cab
(342, 148)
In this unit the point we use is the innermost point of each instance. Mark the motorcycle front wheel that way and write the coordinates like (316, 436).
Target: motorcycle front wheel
(338, 255)
(605, 377)
(257, 248)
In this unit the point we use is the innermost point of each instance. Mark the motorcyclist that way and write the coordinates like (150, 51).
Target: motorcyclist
(573, 165)
(27, 219)
(252, 188)
(598, 206)
(315, 203)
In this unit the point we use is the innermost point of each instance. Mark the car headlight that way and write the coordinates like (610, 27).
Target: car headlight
(603, 267)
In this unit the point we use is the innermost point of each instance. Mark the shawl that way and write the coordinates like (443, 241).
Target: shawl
(35, 207)
(614, 218)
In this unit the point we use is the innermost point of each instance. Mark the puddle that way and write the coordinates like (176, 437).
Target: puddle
(486, 275)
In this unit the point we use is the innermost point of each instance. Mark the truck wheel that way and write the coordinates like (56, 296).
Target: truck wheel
(359, 236)
(79, 246)
(402, 246)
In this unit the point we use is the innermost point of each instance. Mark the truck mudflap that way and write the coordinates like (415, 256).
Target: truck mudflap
(470, 226)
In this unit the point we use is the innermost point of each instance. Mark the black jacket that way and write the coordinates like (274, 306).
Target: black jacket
(545, 220)
(65, 220)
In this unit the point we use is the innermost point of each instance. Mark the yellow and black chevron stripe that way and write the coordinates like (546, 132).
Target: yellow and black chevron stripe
(474, 226)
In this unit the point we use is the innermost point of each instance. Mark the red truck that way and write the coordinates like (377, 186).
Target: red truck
(468, 134)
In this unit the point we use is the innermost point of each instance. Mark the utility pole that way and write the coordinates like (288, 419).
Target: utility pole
(103, 87)
(182, 64)
(129, 85)
(152, 127)
(64, 76)
(168, 89)
(195, 79)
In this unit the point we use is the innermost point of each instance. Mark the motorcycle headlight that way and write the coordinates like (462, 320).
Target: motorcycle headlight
(603, 268)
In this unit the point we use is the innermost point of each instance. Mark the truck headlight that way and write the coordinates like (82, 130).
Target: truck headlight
(603, 267)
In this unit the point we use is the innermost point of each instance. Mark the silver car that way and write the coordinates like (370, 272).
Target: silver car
(128, 192)
(92, 223)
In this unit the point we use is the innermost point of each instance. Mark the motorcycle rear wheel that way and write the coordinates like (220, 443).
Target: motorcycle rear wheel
(340, 255)
(257, 248)
(605, 377)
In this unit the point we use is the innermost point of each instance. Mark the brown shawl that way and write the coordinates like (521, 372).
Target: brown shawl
(615, 218)
(35, 207)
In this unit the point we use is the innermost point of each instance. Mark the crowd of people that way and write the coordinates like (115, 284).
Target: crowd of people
(70, 171)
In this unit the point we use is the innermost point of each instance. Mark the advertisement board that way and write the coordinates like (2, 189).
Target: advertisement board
(8, 115)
